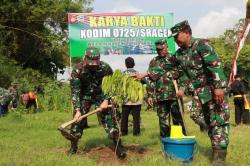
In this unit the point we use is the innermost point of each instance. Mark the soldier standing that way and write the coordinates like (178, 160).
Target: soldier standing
(15, 93)
(5, 99)
(202, 68)
(86, 81)
(161, 72)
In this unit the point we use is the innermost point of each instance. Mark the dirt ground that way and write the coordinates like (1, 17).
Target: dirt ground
(107, 154)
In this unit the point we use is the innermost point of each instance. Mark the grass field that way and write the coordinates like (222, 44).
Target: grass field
(33, 139)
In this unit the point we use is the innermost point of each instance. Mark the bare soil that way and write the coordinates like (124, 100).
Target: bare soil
(105, 155)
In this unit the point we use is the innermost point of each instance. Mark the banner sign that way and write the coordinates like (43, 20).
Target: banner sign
(118, 33)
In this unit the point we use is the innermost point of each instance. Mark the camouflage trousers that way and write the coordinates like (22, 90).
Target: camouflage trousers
(196, 113)
(109, 119)
(165, 109)
(216, 116)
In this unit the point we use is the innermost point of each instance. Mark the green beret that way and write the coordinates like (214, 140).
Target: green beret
(159, 44)
(92, 56)
(179, 27)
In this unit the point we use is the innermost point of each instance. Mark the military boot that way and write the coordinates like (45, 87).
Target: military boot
(73, 147)
(219, 156)
(74, 142)
(119, 149)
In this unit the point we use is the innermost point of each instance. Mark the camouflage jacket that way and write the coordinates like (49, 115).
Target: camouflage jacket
(14, 92)
(86, 84)
(5, 96)
(201, 69)
(160, 72)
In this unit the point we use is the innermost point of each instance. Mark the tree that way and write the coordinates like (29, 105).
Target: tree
(34, 32)
(226, 48)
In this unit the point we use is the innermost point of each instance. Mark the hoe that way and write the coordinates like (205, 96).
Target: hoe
(66, 132)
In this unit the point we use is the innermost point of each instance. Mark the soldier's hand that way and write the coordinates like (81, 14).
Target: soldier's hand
(104, 105)
(219, 95)
(138, 76)
(180, 93)
(150, 101)
(77, 115)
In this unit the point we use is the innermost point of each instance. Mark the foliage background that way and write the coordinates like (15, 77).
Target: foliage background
(33, 49)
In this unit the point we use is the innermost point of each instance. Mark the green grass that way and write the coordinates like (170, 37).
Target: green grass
(33, 139)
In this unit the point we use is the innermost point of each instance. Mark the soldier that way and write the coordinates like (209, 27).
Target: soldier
(150, 97)
(161, 72)
(5, 99)
(206, 79)
(86, 80)
(15, 93)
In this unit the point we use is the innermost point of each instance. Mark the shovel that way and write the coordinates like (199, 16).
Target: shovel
(66, 133)
(180, 106)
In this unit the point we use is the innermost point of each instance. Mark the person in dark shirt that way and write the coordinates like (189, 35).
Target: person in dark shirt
(238, 89)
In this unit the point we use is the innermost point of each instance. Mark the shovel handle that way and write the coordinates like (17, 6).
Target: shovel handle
(64, 125)
(180, 106)
(36, 103)
(67, 123)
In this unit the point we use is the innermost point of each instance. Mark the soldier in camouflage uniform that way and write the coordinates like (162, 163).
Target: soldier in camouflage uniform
(86, 81)
(150, 97)
(5, 99)
(161, 72)
(204, 78)
(15, 93)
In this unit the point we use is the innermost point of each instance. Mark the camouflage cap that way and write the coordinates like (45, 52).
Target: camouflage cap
(92, 56)
(159, 44)
(177, 28)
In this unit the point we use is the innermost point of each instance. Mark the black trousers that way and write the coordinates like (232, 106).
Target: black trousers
(241, 115)
(135, 110)
(31, 103)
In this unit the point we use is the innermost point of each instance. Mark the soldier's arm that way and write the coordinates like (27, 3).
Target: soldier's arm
(104, 105)
(185, 86)
(150, 88)
(178, 73)
(155, 71)
(108, 71)
(212, 62)
(75, 84)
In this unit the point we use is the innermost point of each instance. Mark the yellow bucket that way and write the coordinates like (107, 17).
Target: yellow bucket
(176, 132)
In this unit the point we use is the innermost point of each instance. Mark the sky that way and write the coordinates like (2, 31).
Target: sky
(207, 18)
